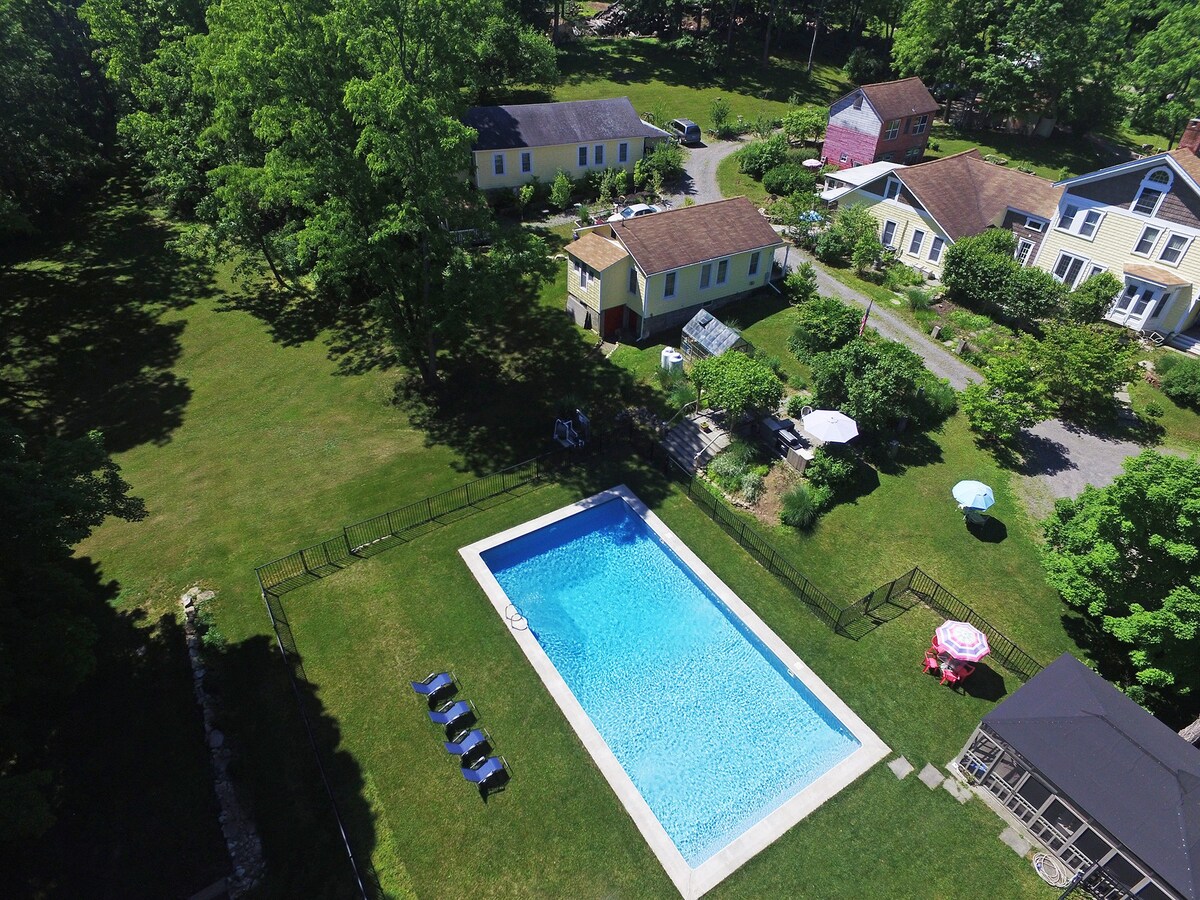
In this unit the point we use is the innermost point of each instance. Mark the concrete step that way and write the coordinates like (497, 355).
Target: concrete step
(1188, 342)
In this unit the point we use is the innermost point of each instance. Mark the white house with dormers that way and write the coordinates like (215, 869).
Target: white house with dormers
(1139, 222)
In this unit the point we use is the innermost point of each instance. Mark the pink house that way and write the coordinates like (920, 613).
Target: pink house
(885, 122)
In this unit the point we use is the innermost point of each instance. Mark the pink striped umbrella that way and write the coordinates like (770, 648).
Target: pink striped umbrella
(962, 640)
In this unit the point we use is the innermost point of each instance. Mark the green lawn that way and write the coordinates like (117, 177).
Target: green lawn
(1060, 156)
(1180, 424)
(733, 183)
(659, 80)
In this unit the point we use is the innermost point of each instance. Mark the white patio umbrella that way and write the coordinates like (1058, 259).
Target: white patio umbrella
(973, 495)
(830, 426)
(962, 640)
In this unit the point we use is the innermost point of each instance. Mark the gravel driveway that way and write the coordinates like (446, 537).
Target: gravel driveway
(701, 166)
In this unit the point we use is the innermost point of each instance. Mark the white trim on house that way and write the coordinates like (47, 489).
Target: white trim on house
(1162, 159)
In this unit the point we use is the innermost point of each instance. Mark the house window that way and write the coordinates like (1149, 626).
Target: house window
(891, 190)
(1127, 295)
(754, 263)
(705, 276)
(633, 287)
(858, 100)
(584, 274)
(582, 157)
(669, 286)
(887, 157)
(1147, 241)
(1143, 301)
(935, 248)
(623, 152)
(893, 130)
(1067, 269)
(1034, 224)
(1095, 270)
(1091, 220)
(843, 157)
(889, 233)
(1158, 310)
(526, 162)
(1173, 251)
(1067, 217)
(1024, 248)
(498, 163)
(912, 154)
(722, 271)
(598, 155)
(914, 245)
(1154, 187)
(920, 125)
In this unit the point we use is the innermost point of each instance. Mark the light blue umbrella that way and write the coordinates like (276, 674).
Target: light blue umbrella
(973, 495)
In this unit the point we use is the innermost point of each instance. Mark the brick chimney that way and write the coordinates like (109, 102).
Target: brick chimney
(1191, 137)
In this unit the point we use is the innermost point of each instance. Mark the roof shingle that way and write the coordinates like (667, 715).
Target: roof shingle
(897, 99)
(966, 195)
(598, 252)
(693, 234)
(547, 124)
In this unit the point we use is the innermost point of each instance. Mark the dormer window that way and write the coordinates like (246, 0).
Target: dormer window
(1154, 187)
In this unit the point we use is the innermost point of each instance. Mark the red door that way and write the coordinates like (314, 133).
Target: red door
(614, 318)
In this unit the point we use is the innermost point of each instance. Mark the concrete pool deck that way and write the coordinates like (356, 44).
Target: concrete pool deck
(691, 882)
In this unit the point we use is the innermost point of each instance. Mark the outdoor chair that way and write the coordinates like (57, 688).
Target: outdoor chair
(437, 681)
(950, 676)
(450, 714)
(469, 744)
(932, 663)
(486, 771)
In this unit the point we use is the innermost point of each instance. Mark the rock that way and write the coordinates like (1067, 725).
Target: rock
(192, 592)
(215, 739)
(199, 673)
(206, 595)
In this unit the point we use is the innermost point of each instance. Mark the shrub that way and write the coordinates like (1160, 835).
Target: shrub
(611, 183)
(918, 299)
(762, 126)
(936, 401)
(737, 382)
(1167, 363)
(969, 321)
(1154, 410)
(800, 285)
(730, 468)
(664, 161)
(832, 471)
(759, 157)
(806, 124)
(210, 635)
(934, 144)
(825, 323)
(900, 276)
(802, 506)
(719, 114)
(1089, 301)
(796, 404)
(788, 178)
(561, 190)
(853, 233)
(947, 333)
(770, 361)
(752, 487)
(1182, 383)
(864, 67)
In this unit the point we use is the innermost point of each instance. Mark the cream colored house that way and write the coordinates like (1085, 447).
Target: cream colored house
(650, 273)
(515, 144)
(1139, 222)
(925, 208)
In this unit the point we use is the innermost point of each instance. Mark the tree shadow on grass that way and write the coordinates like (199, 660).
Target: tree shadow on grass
(503, 388)
(913, 449)
(85, 339)
(135, 812)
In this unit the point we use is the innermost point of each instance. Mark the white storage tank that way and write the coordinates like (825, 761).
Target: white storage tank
(671, 359)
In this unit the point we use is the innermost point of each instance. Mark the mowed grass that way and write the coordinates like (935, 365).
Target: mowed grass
(658, 79)
(558, 829)
(734, 183)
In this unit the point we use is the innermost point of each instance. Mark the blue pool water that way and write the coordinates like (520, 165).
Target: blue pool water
(706, 721)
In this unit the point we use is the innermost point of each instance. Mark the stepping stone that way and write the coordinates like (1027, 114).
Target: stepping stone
(931, 776)
(900, 767)
(1019, 845)
(958, 791)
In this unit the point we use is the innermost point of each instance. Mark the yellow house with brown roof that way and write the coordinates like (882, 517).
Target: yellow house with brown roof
(649, 273)
(922, 209)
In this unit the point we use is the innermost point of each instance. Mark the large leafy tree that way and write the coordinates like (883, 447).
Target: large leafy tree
(1165, 73)
(1128, 558)
(56, 115)
(53, 494)
(874, 382)
(1013, 395)
(1083, 366)
(329, 140)
(736, 382)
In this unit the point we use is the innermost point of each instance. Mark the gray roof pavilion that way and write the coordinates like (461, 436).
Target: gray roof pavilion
(705, 335)
(1133, 775)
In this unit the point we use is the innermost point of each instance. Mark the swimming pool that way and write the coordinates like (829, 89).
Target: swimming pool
(712, 732)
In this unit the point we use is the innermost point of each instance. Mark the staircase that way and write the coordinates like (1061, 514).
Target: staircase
(691, 446)
(1187, 341)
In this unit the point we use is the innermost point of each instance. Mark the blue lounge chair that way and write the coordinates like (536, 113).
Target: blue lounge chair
(468, 743)
(449, 715)
(437, 681)
(487, 770)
